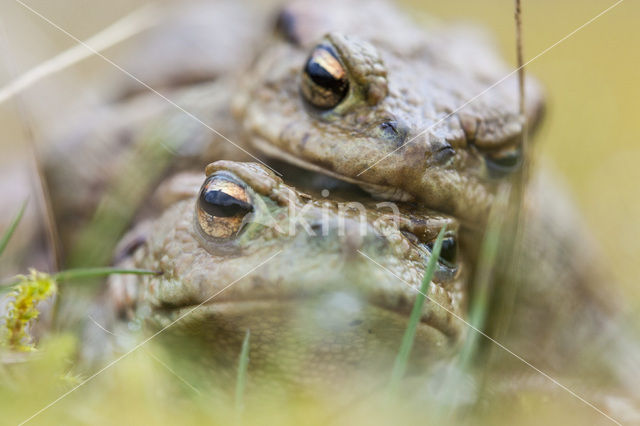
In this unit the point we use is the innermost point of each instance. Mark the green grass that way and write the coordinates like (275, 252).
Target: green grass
(241, 380)
(83, 273)
(402, 359)
(483, 279)
(4, 241)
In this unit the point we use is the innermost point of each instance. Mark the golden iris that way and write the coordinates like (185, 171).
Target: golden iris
(324, 79)
(222, 206)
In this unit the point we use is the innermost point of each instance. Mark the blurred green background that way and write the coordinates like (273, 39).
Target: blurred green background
(589, 135)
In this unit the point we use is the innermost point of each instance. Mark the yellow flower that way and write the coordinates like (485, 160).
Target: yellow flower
(29, 291)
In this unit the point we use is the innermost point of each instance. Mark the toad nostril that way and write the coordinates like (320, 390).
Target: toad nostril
(444, 154)
(440, 152)
(389, 126)
(394, 130)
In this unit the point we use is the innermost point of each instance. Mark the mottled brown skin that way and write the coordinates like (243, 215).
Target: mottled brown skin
(418, 78)
(402, 81)
(115, 140)
(319, 307)
(192, 58)
(319, 311)
(567, 318)
(405, 88)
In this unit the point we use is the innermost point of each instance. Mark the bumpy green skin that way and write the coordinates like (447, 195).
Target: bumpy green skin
(317, 306)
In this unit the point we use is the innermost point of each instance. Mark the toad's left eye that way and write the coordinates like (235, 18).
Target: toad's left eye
(448, 251)
(324, 79)
(222, 206)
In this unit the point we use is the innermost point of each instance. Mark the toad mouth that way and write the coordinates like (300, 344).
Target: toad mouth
(249, 306)
(377, 191)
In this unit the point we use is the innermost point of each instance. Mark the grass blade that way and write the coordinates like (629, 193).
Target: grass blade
(483, 282)
(75, 274)
(79, 273)
(402, 359)
(243, 363)
(4, 241)
(117, 32)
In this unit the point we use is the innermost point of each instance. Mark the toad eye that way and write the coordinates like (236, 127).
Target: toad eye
(222, 206)
(504, 161)
(324, 79)
(448, 252)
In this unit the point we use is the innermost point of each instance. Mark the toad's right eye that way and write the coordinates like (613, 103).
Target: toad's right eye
(505, 161)
(324, 78)
(448, 251)
(222, 206)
